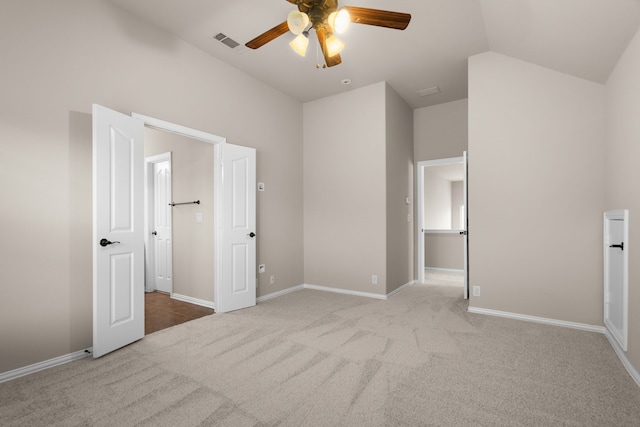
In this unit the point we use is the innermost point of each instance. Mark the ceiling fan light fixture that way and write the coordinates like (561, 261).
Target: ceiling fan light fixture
(339, 20)
(300, 43)
(334, 45)
(297, 21)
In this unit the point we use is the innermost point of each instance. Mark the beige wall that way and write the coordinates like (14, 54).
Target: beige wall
(622, 172)
(440, 131)
(344, 190)
(536, 190)
(192, 179)
(399, 155)
(437, 201)
(357, 174)
(59, 58)
(444, 251)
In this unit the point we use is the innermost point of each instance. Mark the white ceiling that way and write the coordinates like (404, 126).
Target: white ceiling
(583, 38)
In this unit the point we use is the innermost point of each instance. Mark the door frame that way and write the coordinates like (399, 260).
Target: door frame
(149, 202)
(217, 142)
(420, 252)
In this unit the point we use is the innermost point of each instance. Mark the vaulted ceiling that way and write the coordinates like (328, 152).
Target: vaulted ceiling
(583, 38)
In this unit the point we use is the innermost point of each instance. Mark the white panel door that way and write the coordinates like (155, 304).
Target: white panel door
(163, 273)
(616, 279)
(118, 230)
(238, 258)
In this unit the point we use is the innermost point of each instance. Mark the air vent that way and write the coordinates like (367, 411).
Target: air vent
(222, 38)
(430, 91)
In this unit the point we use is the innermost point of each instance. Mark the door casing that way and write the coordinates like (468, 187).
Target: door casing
(217, 142)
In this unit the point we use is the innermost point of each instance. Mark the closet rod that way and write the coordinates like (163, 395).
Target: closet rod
(197, 202)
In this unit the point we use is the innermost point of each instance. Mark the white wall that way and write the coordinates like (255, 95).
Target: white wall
(536, 190)
(622, 172)
(57, 59)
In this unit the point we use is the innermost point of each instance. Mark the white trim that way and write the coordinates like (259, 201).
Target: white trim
(191, 300)
(179, 129)
(546, 321)
(622, 356)
(40, 366)
(442, 231)
(401, 288)
(279, 293)
(335, 291)
(440, 162)
(345, 291)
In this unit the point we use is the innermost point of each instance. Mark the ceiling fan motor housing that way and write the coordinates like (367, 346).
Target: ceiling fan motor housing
(318, 10)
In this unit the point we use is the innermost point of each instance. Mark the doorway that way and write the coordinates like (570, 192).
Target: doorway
(442, 245)
(158, 229)
(119, 231)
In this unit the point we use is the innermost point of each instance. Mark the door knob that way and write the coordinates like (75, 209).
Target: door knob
(155, 233)
(621, 246)
(252, 234)
(105, 242)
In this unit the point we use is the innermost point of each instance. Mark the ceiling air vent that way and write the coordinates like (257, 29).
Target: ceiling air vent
(222, 38)
(430, 91)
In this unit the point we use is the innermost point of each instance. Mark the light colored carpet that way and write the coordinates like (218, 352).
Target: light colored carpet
(313, 358)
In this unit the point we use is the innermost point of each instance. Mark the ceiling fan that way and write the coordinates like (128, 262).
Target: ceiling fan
(327, 20)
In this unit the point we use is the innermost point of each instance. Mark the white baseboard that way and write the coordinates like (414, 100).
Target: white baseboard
(345, 291)
(40, 366)
(401, 288)
(546, 321)
(334, 290)
(623, 357)
(196, 301)
(279, 293)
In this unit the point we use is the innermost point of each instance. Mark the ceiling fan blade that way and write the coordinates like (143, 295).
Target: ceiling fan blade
(267, 36)
(322, 39)
(380, 18)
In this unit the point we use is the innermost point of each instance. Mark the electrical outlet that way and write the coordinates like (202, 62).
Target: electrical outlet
(262, 268)
(374, 279)
(476, 291)
(272, 279)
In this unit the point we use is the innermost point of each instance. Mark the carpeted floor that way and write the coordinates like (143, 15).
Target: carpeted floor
(313, 358)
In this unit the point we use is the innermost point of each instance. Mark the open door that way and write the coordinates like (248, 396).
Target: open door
(238, 257)
(118, 230)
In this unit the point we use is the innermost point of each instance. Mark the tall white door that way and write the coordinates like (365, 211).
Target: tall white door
(118, 230)
(238, 253)
(162, 241)
(616, 248)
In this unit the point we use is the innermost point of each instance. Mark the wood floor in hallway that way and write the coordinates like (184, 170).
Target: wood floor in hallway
(161, 312)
